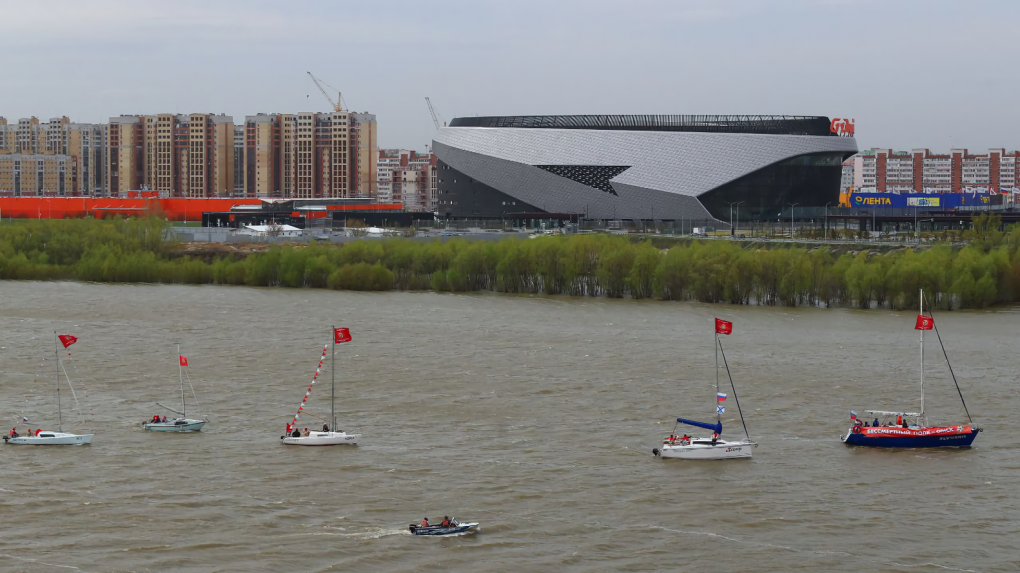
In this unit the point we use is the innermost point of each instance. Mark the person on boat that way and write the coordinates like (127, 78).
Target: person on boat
(685, 440)
(875, 423)
(446, 521)
(905, 424)
(305, 434)
(424, 522)
(287, 431)
(899, 420)
(715, 437)
(155, 419)
(163, 420)
(37, 432)
(296, 433)
(325, 427)
(14, 432)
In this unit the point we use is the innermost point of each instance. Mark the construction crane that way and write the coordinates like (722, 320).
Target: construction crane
(339, 96)
(435, 120)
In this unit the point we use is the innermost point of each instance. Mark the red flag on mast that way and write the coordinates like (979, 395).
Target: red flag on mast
(342, 335)
(723, 327)
(67, 339)
(184, 361)
(924, 322)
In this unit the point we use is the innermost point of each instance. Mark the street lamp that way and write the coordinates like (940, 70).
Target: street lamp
(732, 203)
(826, 231)
(792, 206)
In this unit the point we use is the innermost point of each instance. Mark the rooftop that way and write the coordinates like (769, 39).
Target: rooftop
(762, 124)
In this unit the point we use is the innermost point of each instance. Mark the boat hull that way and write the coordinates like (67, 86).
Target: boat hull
(892, 437)
(323, 439)
(174, 426)
(51, 439)
(696, 450)
(438, 530)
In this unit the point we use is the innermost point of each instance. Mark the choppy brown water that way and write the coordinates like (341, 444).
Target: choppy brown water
(534, 416)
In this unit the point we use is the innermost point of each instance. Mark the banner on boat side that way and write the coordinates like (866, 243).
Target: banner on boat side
(924, 322)
(67, 339)
(342, 335)
(893, 431)
(723, 327)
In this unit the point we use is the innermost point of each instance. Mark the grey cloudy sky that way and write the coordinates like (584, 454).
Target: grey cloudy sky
(934, 74)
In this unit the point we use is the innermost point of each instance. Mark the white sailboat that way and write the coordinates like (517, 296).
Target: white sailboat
(59, 437)
(183, 423)
(329, 436)
(713, 448)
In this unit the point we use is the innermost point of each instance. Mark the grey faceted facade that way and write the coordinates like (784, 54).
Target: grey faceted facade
(622, 174)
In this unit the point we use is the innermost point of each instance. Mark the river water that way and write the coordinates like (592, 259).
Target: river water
(533, 415)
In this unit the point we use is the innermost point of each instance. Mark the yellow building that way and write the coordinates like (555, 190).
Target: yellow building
(24, 175)
(365, 143)
(260, 159)
(125, 161)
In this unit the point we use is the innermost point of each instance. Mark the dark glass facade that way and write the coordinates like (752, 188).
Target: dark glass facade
(761, 124)
(809, 180)
(460, 196)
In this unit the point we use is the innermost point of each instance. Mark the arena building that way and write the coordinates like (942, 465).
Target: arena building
(659, 167)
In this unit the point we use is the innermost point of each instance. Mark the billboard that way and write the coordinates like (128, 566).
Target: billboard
(936, 201)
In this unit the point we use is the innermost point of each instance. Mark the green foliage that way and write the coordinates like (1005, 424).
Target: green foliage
(983, 273)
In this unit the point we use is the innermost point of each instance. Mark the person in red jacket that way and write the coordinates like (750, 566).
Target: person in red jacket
(424, 522)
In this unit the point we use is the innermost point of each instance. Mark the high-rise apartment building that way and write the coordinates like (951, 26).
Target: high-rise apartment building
(919, 170)
(238, 190)
(260, 159)
(87, 148)
(125, 161)
(365, 145)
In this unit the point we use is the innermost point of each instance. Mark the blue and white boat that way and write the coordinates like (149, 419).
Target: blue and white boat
(712, 448)
(911, 429)
(453, 529)
(181, 423)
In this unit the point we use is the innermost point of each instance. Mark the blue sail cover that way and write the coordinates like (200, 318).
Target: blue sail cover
(716, 427)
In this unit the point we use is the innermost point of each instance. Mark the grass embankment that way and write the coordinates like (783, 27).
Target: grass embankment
(985, 272)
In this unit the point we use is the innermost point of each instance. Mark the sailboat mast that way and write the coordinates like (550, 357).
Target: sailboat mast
(922, 356)
(332, 384)
(180, 372)
(56, 355)
(718, 416)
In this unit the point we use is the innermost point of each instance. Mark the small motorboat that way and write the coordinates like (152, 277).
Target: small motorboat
(452, 529)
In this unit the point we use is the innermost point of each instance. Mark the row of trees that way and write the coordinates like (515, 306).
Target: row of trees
(985, 272)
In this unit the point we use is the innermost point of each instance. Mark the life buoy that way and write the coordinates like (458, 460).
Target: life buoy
(857, 429)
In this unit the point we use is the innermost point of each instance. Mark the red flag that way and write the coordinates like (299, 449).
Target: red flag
(924, 322)
(723, 327)
(67, 339)
(184, 361)
(342, 335)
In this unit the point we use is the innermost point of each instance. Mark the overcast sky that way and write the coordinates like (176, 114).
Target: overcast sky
(912, 74)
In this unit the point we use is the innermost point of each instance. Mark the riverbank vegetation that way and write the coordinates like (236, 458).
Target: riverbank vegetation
(984, 272)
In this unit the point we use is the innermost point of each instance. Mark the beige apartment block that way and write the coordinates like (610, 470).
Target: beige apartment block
(125, 161)
(85, 146)
(205, 145)
(260, 155)
(8, 136)
(35, 175)
(365, 145)
(160, 175)
(304, 156)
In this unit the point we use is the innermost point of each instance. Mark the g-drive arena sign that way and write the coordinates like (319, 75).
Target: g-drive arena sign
(842, 127)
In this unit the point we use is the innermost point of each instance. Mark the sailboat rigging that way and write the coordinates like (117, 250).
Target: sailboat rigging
(49, 437)
(911, 429)
(714, 448)
(329, 436)
(182, 423)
